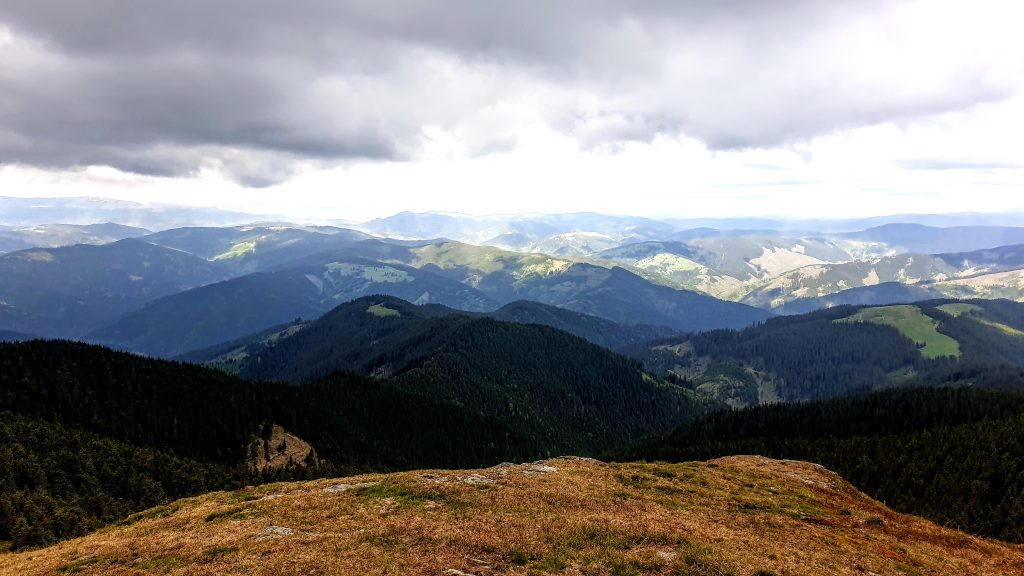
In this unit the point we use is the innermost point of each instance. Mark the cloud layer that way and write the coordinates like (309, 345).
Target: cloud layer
(260, 90)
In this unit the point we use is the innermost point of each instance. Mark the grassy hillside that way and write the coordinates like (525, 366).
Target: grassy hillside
(952, 455)
(912, 323)
(733, 516)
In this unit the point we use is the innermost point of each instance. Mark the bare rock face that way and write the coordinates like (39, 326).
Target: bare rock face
(276, 449)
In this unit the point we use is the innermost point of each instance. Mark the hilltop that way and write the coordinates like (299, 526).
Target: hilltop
(735, 516)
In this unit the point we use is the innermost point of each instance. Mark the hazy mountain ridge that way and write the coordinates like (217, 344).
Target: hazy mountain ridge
(68, 291)
(228, 310)
(981, 273)
(254, 248)
(56, 235)
(23, 212)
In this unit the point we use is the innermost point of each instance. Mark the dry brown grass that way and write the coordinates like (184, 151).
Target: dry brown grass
(737, 516)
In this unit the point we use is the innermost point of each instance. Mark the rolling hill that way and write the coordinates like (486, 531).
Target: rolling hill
(841, 351)
(877, 295)
(530, 374)
(457, 275)
(245, 249)
(596, 330)
(597, 288)
(55, 235)
(471, 391)
(730, 266)
(602, 332)
(67, 292)
(820, 280)
(989, 273)
(919, 449)
(229, 310)
(922, 239)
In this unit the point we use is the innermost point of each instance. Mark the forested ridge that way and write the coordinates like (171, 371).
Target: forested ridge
(579, 397)
(92, 434)
(953, 455)
(822, 355)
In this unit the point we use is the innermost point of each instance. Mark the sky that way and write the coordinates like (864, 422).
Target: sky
(358, 109)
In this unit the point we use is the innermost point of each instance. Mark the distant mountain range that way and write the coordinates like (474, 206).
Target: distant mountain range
(209, 285)
(983, 273)
(55, 235)
(228, 310)
(459, 276)
(67, 292)
(28, 212)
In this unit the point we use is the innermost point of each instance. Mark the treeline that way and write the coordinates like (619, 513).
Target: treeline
(90, 434)
(57, 483)
(953, 455)
(810, 356)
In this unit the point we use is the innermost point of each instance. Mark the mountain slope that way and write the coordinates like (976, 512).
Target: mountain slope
(877, 295)
(923, 239)
(951, 455)
(597, 288)
(1009, 285)
(90, 434)
(591, 328)
(823, 279)
(611, 335)
(729, 266)
(989, 273)
(742, 515)
(841, 351)
(54, 235)
(66, 292)
(550, 384)
(246, 249)
(228, 310)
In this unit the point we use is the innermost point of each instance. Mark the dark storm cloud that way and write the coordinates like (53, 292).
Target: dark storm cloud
(252, 88)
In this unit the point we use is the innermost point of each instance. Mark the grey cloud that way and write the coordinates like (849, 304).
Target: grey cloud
(256, 87)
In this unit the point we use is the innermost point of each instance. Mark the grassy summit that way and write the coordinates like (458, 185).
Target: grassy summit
(733, 516)
(915, 325)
